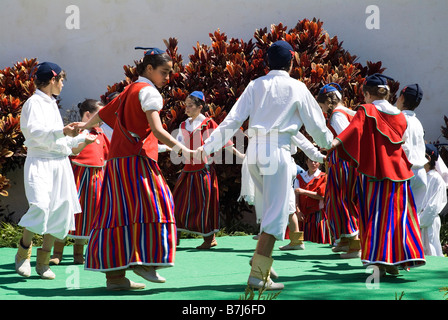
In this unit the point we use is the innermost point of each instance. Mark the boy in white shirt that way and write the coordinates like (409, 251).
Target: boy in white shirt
(49, 183)
(277, 106)
(433, 203)
(414, 142)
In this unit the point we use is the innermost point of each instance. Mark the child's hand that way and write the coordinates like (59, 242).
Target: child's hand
(90, 138)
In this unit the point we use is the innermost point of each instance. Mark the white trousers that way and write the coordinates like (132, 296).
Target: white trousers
(52, 196)
(270, 169)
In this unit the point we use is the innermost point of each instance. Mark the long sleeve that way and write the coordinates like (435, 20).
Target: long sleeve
(307, 147)
(42, 127)
(434, 201)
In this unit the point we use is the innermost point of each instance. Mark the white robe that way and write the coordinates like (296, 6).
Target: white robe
(433, 203)
(49, 182)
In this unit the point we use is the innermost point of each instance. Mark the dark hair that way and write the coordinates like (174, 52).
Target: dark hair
(90, 105)
(155, 60)
(199, 102)
(376, 91)
(409, 102)
(331, 98)
(284, 67)
(42, 84)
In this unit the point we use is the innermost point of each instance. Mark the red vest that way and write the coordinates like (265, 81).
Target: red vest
(132, 135)
(307, 204)
(348, 116)
(96, 153)
(195, 139)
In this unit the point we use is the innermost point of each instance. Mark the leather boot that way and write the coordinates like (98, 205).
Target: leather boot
(58, 249)
(116, 280)
(43, 264)
(149, 273)
(78, 254)
(259, 277)
(22, 260)
(354, 250)
(296, 241)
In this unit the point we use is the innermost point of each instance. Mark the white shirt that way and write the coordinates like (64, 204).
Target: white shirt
(307, 177)
(275, 103)
(434, 200)
(150, 98)
(338, 120)
(42, 127)
(414, 142)
(190, 126)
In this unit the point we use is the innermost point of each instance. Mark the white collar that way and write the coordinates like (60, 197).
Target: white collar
(45, 96)
(385, 106)
(146, 80)
(409, 113)
(279, 73)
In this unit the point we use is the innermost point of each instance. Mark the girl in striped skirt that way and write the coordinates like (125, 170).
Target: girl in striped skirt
(135, 227)
(309, 187)
(341, 203)
(196, 193)
(87, 166)
(389, 228)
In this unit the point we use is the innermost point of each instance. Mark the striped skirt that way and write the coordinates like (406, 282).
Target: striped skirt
(315, 228)
(196, 202)
(389, 227)
(135, 223)
(341, 199)
(88, 183)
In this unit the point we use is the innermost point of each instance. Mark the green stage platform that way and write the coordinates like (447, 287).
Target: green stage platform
(221, 274)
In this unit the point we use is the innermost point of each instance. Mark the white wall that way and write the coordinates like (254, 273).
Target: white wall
(410, 42)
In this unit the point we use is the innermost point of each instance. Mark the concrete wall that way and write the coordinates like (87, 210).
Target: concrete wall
(410, 41)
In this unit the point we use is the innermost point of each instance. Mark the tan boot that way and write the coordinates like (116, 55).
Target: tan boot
(117, 281)
(259, 277)
(58, 249)
(354, 250)
(342, 246)
(296, 241)
(78, 254)
(43, 264)
(22, 260)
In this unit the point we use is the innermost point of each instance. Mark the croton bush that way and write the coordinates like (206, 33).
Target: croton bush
(16, 86)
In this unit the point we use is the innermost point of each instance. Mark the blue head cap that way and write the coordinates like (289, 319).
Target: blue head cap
(280, 54)
(414, 91)
(150, 51)
(198, 94)
(377, 80)
(332, 87)
(47, 70)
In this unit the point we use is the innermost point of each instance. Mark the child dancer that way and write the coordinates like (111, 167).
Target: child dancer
(135, 226)
(277, 106)
(196, 193)
(309, 188)
(49, 183)
(88, 168)
(433, 203)
(389, 230)
(341, 203)
(414, 141)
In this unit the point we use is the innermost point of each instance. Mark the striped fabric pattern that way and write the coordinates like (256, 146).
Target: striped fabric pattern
(341, 199)
(196, 202)
(88, 182)
(315, 228)
(135, 224)
(389, 226)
